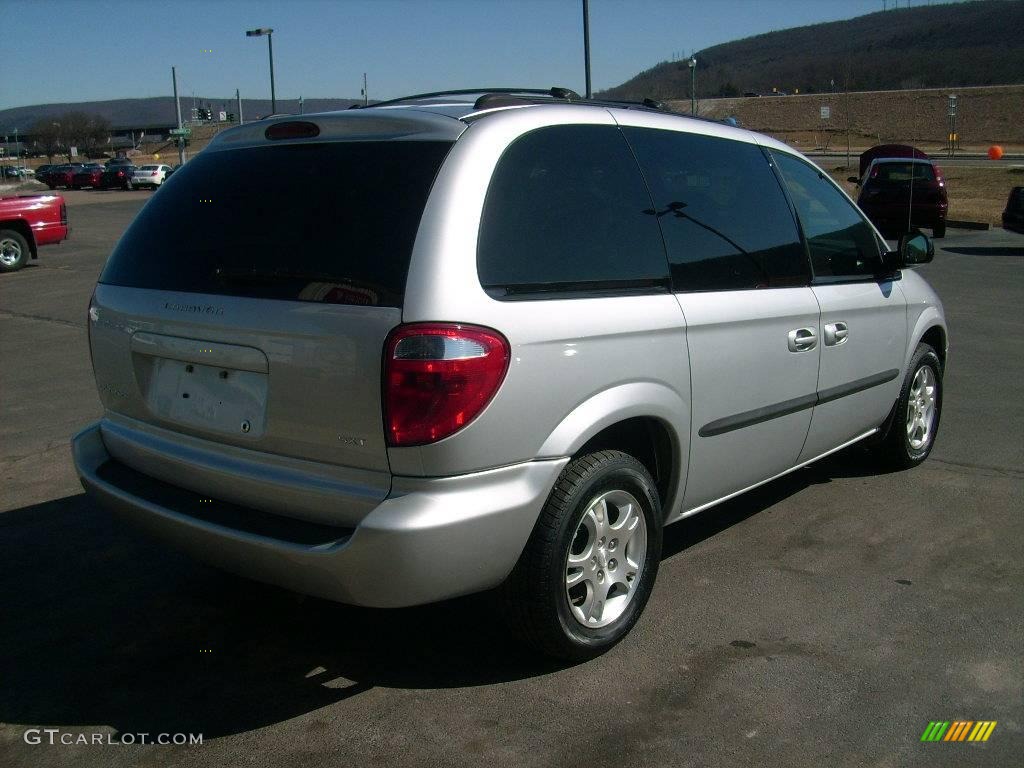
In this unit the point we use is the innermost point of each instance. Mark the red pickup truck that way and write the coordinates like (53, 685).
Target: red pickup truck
(26, 222)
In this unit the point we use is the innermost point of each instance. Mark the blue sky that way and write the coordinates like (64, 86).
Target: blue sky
(61, 50)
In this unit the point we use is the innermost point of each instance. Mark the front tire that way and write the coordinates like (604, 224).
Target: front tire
(14, 250)
(589, 567)
(939, 230)
(915, 421)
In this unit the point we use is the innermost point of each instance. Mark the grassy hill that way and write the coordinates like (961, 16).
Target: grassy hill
(956, 44)
(987, 115)
(158, 110)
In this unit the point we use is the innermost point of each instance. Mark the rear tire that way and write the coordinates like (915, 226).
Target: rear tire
(589, 566)
(14, 250)
(939, 231)
(915, 420)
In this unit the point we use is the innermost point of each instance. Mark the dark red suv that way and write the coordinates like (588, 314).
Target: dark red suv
(901, 193)
(87, 176)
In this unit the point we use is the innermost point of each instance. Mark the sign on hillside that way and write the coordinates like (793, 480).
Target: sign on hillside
(826, 113)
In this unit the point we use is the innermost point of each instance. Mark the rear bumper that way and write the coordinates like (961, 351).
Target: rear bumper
(50, 232)
(924, 214)
(430, 539)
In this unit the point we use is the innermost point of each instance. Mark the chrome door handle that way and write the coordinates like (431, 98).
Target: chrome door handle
(802, 339)
(836, 333)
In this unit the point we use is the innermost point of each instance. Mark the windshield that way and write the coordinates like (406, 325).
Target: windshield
(310, 222)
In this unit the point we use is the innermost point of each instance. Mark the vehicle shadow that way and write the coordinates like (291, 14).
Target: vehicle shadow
(851, 462)
(103, 627)
(992, 250)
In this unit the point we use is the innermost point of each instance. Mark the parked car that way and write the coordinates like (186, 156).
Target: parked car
(888, 150)
(62, 175)
(1013, 214)
(150, 175)
(87, 176)
(16, 172)
(27, 222)
(900, 193)
(119, 161)
(42, 172)
(535, 332)
(117, 175)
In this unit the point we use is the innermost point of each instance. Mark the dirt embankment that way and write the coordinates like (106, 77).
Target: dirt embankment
(985, 116)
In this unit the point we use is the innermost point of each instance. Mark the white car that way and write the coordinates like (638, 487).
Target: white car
(150, 175)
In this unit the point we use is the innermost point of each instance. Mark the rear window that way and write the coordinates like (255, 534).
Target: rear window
(309, 222)
(896, 172)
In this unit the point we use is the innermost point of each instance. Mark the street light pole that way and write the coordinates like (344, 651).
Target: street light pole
(180, 140)
(693, 85)
(586, 43)
(269, 34)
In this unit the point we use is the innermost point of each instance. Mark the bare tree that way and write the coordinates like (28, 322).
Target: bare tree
(97, 134)
(47, 136)
(75, 130)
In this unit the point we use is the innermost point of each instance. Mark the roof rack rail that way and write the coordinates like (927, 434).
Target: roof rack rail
(494, 98)
(554, 92)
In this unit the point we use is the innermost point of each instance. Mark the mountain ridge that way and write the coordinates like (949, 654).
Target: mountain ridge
(949, 45)
(157, 110)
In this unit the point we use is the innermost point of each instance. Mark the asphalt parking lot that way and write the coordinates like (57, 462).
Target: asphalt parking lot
(823, 619)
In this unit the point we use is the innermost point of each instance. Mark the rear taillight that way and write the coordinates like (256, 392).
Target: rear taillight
(63, 213)
(438, 378)
(152, 173)
(120, 173)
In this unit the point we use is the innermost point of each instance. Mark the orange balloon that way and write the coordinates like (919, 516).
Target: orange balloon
(995, 152)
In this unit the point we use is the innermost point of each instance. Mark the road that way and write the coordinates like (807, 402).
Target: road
(823, 619)
(959, 161)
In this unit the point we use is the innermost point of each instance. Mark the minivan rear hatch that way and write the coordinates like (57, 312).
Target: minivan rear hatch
(248, 303)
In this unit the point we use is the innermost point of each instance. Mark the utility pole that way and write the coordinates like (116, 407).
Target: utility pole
(273, 96)
(238, 100)
(300, 103)
(177, 110)
(693, 84)
(586, 43)
(366, 93)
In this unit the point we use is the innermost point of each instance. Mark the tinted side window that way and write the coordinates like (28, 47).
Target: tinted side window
(841, 242)
(568, 209)
(726, 220)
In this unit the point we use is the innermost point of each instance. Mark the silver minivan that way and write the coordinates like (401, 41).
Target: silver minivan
(462, 342)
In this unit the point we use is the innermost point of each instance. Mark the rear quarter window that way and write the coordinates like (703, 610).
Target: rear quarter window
(327, 222)
(567, 211)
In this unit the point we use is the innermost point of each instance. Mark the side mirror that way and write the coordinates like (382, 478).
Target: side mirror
(915, 248)
(853, 180)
